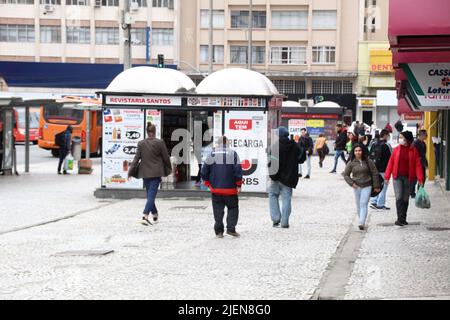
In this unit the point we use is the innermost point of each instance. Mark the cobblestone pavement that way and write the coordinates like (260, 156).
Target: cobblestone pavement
(180, 258)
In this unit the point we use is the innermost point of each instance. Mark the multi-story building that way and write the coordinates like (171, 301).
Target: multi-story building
(86, 31)
(377, 98)
(308, 48)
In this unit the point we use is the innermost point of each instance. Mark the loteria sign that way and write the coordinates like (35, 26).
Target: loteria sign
(143, 101)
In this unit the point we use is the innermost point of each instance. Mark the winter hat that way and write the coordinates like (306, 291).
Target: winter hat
(283, 132)
(408, 136)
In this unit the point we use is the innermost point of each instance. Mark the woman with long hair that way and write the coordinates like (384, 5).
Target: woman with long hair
(405, 167)
(362, 175)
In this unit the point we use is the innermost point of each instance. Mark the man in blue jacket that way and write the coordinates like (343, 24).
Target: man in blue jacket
(222, 173)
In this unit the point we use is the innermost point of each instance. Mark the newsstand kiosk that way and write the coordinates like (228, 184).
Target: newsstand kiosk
(189, 120)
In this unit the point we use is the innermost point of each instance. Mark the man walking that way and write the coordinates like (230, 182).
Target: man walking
(307, 144)
(380, 153)
(63, 140)
(421, 147)
(285, 156)
(222, 173)
(339, 146)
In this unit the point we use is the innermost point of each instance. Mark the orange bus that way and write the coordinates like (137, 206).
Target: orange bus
(54, 119)
(19, 125)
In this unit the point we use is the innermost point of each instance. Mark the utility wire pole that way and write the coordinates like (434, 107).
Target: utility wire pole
(126, 26)
(250, 36)
(210, 47)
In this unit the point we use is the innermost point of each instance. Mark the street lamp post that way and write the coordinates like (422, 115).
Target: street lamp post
(126, 26)
(210, 47)
(250, 36)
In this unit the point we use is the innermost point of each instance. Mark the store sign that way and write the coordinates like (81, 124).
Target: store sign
(381, 61)
(367, 102)
(122, 130)
(413, 116)
(226, 102)
(295, 126)
(430, 82)
(247, 135)
(143, 100)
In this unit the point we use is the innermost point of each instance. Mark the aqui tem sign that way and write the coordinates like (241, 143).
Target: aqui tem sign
(430, 82)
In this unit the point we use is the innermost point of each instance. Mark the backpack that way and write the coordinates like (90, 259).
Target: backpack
(60, 139)
(376, 151)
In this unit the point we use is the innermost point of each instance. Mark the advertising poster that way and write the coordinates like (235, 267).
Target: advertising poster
(295, 127)
(122, 130)
(247, 135)
(154, 116)
(315, 127)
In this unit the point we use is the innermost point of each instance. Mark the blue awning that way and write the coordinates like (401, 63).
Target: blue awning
(61, 75)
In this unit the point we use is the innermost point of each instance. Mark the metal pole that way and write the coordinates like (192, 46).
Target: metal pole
(210, 47)
(127, 32)
(27, 139)
(147, 47)
(88, 134)
(250, 36)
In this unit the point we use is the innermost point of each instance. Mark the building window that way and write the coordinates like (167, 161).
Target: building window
(239, 19)
(218, 53)
(163, 4)
(78, 34)
(238, 54)
(324, 19)
(374, 3)
(332, 87)
(110, 3)
(365, 25)
(17, 1)
(139, 36)
(162, 37)
(77, 2)
(141, 3)
(324, 54)
(373, 27)
(50, 34)
(290, 86)
(290, 19)
(218, 18)
(288, 55)
(16, 33)
(56, 2)
(107, 36)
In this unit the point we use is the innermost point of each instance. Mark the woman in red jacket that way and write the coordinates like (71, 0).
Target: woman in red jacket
(405, 167)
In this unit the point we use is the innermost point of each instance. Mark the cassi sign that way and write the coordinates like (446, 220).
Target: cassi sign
(430, 82)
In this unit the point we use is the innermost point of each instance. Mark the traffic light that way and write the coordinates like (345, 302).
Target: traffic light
(161, 61)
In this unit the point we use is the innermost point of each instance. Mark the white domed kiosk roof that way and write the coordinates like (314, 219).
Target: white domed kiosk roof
(288, 103)
(151, 80)
(237, 81)
(327, 104)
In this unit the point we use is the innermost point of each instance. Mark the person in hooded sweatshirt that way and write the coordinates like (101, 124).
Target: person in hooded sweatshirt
(284, 157)
(405, 167)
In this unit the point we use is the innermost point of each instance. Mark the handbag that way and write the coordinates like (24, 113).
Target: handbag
(325, 149)
(422, 199)
(134, 171)
(380, 177)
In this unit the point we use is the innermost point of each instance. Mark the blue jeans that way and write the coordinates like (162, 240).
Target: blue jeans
(338, 154)
(151, 185)
(380, 199)
(275, 190)
(308, 166)
(362, 196)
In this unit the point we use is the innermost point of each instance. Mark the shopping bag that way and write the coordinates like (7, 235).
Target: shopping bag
(422, 199)
(68, 163)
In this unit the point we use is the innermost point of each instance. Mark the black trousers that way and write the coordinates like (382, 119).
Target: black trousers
(62, 155)
(321, 155)
(219, 203)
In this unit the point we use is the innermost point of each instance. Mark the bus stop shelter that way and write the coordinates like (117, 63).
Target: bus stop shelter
(241, 104)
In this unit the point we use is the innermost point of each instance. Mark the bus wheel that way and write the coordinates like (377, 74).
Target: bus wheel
(55, 152)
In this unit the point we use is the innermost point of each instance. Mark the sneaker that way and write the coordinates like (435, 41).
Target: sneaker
(413, 196)
(300, 175)
(374, 206)
(398, 223)
(276, 224)
(233, 233)
(361, 227)
(145, 222)
(285, 227)
(59, 172)
(65, 172)
(333, 171)
(155, 217)
(307, 177)
(404, 223)
(385, 208)
(219, 235)
(320, 165)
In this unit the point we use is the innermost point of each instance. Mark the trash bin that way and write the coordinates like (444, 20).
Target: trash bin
(76, 148)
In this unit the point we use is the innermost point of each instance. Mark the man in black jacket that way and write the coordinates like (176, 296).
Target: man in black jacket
(308, 145)
(380, 153)
(284, 158)
(339, 146)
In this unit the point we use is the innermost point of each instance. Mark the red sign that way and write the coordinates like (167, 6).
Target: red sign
(240, 124)
(309, 116)
(413, 116)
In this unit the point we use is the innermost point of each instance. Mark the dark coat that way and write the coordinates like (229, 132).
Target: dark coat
(155, 161)
(341, 141)
(287, 161)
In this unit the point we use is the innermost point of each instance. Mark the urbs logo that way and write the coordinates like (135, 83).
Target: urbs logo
(249, 167)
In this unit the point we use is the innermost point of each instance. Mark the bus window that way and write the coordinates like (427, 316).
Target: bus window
(56, 114)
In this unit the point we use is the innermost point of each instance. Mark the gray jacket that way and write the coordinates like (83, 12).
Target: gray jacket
(155, 161)
(362, 175)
